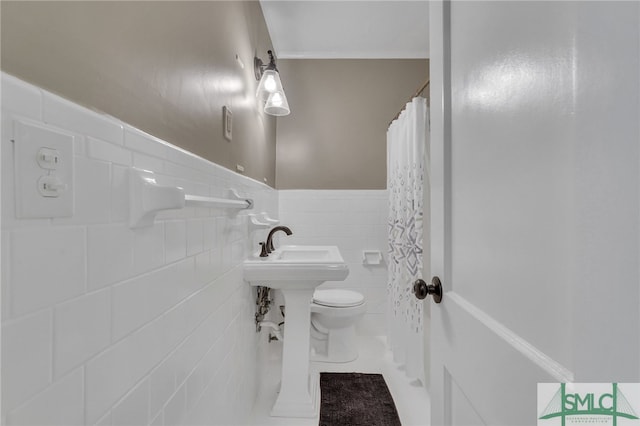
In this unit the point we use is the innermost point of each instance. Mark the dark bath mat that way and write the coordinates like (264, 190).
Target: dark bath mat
(356, 399)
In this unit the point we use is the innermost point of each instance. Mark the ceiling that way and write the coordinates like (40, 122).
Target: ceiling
(368, 29)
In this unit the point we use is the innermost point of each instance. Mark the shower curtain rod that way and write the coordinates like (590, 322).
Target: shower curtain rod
(418, 92)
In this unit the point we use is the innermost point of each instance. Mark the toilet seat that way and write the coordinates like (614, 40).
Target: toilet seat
(337, 298)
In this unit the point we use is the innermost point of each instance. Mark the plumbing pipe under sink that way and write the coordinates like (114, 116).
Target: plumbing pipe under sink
(274, 327)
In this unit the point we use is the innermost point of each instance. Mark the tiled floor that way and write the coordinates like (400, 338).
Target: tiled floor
(411, 399)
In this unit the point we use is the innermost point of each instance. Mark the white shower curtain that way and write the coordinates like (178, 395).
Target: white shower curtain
(407, 151)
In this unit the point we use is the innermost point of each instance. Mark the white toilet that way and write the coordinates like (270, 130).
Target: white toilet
(334, 313)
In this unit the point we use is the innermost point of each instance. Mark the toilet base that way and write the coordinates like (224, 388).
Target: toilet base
(338, 346)
(334, 314)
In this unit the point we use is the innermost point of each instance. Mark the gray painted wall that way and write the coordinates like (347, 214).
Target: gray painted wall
(167, 68)
(335, 137)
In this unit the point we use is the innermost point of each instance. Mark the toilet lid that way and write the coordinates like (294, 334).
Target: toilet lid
(338, 298)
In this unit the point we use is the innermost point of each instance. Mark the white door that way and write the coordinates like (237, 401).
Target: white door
(534, 202)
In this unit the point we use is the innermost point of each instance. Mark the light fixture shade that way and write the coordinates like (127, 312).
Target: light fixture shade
(277, 104)
(269, 83)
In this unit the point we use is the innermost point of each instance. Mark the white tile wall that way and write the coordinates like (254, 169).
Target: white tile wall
(354, 220)
(134, 408)
(27, 354)
(48, 265)
(175, 240)
(104, 325)
(108, 246)
(62, 404)
(82, 329)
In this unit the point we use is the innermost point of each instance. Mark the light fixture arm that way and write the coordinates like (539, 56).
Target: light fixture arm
(259, 67)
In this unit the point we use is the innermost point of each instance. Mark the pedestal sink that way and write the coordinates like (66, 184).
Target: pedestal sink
(296, 271)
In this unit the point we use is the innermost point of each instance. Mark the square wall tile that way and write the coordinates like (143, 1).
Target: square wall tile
(60, 404)
(162, 384)
(105, 151)
(175, 240)
(26, 358)
(114, 372)
(134, 408)
(209, 233)
(105, 421)
(148, 296)
(48, 266)
(195, 237)
(82, 327)
(131, 305)
(110, 254)
(148, 248)
(158, 420)
(119, 194)
(92, 192)
(176, 408)
(5, 295)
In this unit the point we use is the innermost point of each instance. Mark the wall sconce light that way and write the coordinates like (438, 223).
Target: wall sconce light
(270, 87)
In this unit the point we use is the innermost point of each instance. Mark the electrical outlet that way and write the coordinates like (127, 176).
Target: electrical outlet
(43, 164)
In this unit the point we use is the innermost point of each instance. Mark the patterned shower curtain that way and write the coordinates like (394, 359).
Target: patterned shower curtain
(407, 149)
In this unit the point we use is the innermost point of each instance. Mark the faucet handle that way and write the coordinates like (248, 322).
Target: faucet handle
(263, 250)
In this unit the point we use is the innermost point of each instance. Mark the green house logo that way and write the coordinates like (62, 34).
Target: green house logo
(589, 403)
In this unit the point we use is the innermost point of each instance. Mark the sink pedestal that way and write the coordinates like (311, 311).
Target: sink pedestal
(298, 395)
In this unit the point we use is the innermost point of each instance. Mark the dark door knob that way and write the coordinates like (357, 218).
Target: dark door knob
(421, 289)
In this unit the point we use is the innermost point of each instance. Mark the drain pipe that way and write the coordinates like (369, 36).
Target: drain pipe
(275, 330)
(263, 301)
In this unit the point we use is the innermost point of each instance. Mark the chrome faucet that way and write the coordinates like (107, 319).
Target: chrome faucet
(269, 243)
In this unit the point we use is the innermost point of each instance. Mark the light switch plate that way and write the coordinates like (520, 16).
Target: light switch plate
(227, 122)
(56, 199)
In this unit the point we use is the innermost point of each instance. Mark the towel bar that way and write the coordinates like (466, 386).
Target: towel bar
(147, 198)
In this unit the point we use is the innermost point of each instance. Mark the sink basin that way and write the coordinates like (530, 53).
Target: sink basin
(296, 266)
(307, 254)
